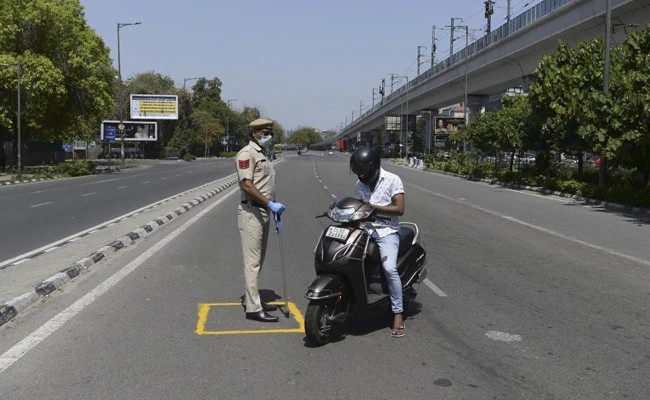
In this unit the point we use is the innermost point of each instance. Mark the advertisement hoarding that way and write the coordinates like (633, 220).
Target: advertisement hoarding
(154, 106)
(445, 126)
(134, 131)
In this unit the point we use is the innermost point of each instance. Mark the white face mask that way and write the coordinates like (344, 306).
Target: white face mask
(265, 141)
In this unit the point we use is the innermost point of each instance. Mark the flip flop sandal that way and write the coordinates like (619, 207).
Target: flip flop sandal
(398, 331)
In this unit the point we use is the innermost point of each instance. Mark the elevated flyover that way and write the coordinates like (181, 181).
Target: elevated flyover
(506, 59)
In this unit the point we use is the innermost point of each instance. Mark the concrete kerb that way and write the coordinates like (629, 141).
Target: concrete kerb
(10, 309)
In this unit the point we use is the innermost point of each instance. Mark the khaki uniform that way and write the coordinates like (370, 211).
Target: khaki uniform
(254, 219)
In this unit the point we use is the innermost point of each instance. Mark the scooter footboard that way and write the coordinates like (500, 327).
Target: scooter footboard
(325, 287)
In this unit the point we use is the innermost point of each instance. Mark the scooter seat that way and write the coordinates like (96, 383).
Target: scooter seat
(406, 236)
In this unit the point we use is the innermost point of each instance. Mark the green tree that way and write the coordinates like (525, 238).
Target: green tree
(482, 133)
(630, 93)
(304, 136)
(208, 129)
(206, 93)
(67, 83)
(568, 93)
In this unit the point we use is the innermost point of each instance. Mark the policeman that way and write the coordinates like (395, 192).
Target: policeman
(256, 177)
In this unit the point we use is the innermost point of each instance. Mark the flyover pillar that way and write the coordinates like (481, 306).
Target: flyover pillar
(428, 116)
(476, 104)
(526, 80)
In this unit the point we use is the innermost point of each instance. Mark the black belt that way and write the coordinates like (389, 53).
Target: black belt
(253, 203)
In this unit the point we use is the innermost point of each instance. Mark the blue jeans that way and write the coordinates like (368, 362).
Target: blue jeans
(388, 249)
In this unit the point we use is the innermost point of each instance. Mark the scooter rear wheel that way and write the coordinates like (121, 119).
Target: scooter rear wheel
(318, 323)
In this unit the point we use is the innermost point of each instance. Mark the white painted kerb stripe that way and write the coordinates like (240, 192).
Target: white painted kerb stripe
(20, 349)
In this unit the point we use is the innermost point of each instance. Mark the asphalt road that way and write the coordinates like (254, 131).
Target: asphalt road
(529, 297)
(42, 213)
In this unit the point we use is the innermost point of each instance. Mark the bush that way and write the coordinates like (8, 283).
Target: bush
(189, 157)
(622, 185)
(76, 168)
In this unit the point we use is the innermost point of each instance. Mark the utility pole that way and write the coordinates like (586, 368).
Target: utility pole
(466, 57)
(419, 55)
(433, 45)
(451, 38)
(382, 89)
(489, 10)
(373, 96)
(508, 12)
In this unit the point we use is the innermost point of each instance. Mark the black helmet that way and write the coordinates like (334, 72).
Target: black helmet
(365, 163)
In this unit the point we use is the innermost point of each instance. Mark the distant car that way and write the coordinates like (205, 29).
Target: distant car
(330, 152)
(593, 160)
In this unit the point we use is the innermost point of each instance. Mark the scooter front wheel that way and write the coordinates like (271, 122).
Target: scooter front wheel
(318, 321)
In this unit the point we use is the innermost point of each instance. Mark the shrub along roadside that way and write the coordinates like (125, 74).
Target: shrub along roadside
(66, 169)
(621, 187)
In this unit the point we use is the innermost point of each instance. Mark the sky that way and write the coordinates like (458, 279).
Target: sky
(302, 63)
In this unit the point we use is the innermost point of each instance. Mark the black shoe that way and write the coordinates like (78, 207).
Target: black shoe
(261, 316)
(269, 307)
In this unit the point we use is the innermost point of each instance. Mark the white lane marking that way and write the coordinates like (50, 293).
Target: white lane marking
(325, 187)
(102, 225)
(539, 228)
(331, 194)
(121, 187)
(503, 337)
(41, 204)
(102, 181)
(38, 191)
(51, 249)
(146, 182)
(24, 346)
(435, 288)
(89, 194)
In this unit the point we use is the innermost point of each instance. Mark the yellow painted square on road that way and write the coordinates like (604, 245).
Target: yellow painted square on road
(205, 309)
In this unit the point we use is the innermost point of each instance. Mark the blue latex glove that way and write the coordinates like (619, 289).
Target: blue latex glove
(277, 208)
(278, 223)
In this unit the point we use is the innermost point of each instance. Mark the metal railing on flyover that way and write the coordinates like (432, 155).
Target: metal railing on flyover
(517, 23)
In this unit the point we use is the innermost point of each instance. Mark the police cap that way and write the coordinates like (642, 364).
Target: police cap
(261, 123)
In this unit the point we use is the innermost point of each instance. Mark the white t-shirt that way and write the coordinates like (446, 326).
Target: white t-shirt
(388, 185)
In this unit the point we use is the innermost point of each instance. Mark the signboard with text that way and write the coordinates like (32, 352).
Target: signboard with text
(154, 106)
(134, 131)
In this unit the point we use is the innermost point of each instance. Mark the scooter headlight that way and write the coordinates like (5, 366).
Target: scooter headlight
(348, 214)
(341, 214)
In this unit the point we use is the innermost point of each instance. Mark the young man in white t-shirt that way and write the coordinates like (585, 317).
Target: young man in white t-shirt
(385, 192)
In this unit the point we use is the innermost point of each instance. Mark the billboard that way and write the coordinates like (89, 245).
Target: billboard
(444, 126)
(131, 131)
(154, 106)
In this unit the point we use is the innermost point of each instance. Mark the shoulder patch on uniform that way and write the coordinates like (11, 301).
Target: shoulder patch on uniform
(244, 164)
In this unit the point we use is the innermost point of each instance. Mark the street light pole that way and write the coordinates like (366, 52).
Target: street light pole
(466, 57)
(188, 79)
(121, 25)
(18, 164)
(228, 124)
(608, 39)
